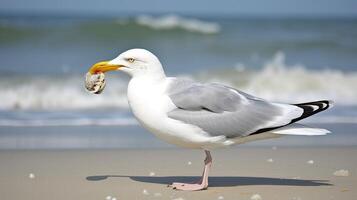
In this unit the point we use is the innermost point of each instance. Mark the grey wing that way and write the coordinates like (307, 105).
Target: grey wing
(221, 110)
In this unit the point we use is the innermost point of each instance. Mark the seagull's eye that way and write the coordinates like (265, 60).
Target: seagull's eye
(131, 60)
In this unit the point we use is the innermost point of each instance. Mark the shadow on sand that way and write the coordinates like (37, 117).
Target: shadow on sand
(218, 181)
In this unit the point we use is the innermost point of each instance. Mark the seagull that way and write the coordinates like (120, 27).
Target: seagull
(203, 116)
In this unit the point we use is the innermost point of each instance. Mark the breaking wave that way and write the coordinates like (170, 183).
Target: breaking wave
(278, 81)
(56, 93)
(274, 81)
(167, 22)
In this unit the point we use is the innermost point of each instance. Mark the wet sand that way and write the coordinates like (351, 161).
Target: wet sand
(237, 173)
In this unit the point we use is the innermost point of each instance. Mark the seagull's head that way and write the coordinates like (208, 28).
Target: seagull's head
(135, 62)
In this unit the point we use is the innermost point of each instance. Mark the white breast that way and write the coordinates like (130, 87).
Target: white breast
(150, 104)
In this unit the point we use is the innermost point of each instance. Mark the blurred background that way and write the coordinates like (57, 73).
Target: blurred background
(280, 50)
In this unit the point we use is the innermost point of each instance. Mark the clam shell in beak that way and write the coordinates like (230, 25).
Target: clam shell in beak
(95, 83)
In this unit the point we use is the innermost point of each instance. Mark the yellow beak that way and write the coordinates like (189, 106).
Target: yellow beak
(103, 67)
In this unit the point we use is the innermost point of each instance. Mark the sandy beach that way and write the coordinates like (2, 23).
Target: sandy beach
(237, 173)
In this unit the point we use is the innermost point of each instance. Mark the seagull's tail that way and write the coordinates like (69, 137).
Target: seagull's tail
(299, 129)
(311, 108)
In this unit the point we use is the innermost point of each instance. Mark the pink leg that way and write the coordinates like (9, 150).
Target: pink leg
(200, 184)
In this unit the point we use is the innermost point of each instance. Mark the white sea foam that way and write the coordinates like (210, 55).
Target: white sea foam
(167, 22)
(280, 82)
(58, 93)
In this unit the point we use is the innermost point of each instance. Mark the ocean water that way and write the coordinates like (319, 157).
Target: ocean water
(44, 59)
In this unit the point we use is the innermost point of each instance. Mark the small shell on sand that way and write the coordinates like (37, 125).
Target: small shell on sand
(180, 198)
(145, 192)
(108, 197)
(31, 176)
(114, 198)
(270, 160)
(189, 163)
(256, 197)
(341, 172)
(95, 83)
(220, 197)
(310, 162)
(152, 174)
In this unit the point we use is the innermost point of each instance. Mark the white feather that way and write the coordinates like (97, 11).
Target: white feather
(299, 129)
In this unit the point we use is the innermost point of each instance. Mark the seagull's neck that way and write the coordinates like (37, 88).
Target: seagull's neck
(156, 76)
(146, 88)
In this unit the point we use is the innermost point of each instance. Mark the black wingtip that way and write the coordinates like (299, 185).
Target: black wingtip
(322, 104)
(311, 108)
